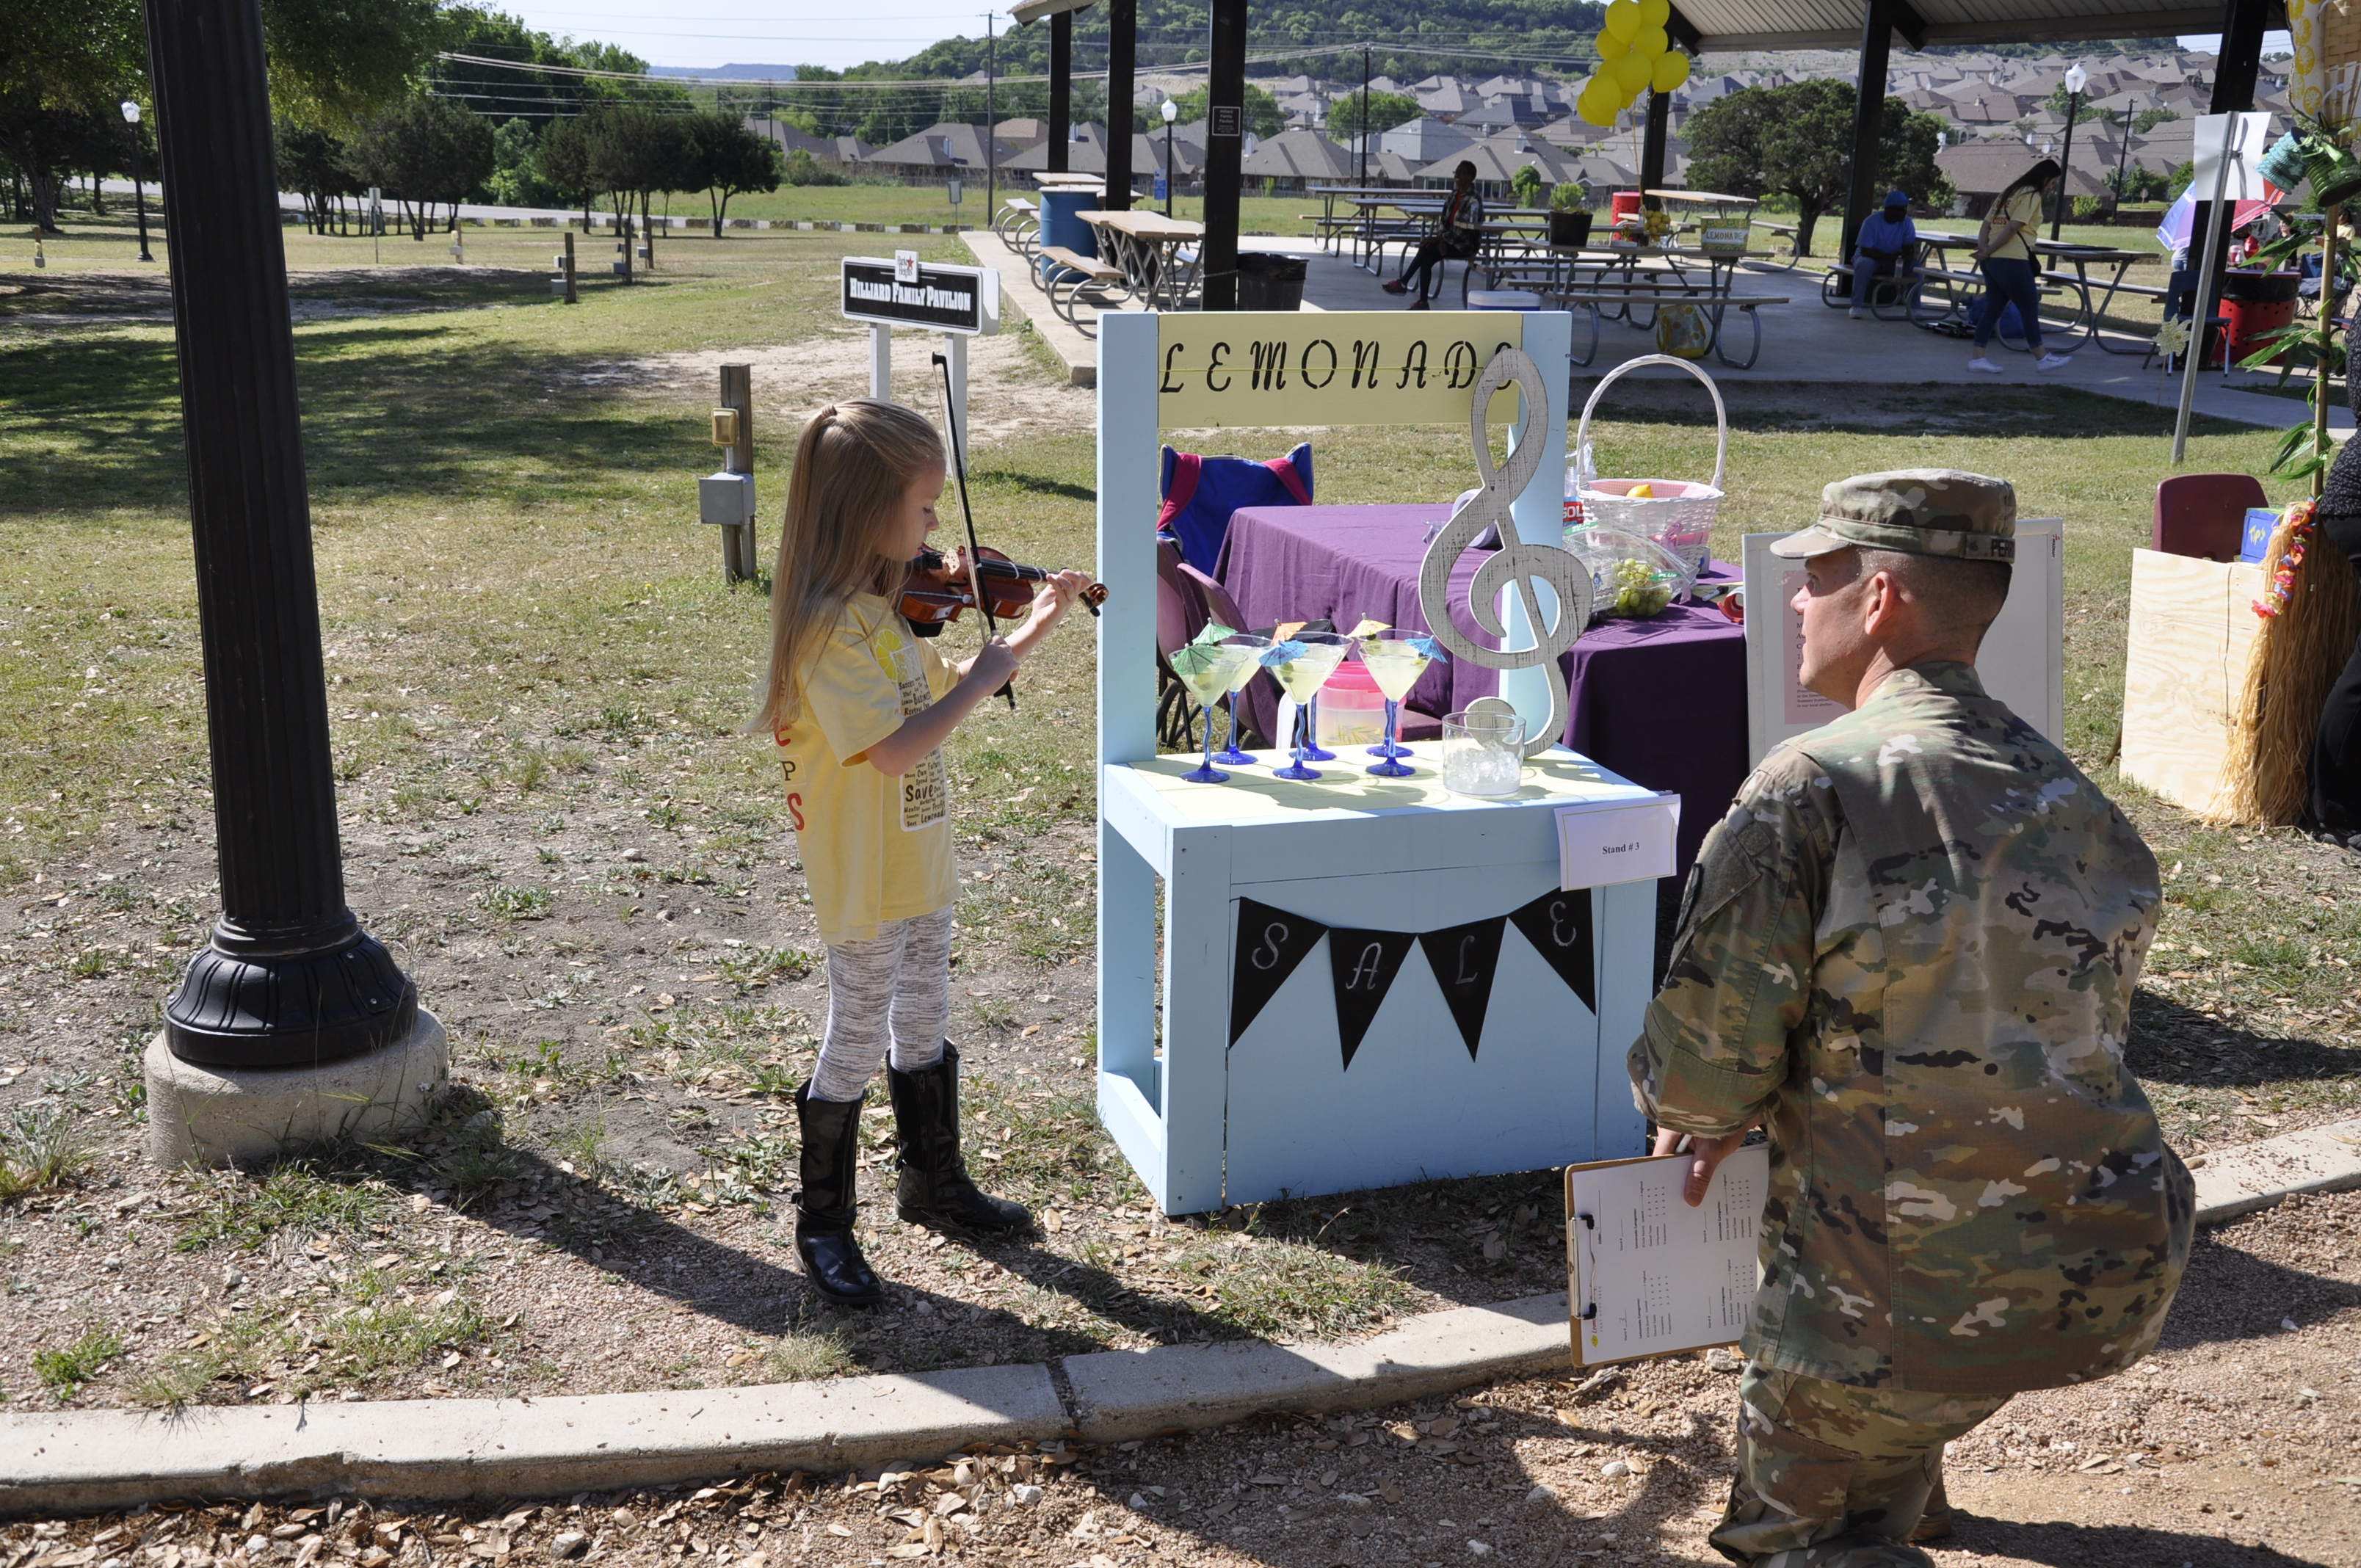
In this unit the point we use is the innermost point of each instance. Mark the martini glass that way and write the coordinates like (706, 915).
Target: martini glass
(1313, 750)
(1254, 645)
(1208, 671)
(1395, 662)
(1301, 678)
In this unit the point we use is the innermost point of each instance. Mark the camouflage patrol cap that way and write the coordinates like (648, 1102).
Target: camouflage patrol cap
(1918, 511)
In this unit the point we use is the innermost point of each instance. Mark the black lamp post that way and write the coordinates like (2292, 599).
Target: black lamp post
(1171, 112)
(138, 192)
(290, 978)
(2076, 79)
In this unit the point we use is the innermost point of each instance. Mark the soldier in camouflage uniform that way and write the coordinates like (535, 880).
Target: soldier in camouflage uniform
(1909, 950)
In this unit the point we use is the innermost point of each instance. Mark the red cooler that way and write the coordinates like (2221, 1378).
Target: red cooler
(2257, 304)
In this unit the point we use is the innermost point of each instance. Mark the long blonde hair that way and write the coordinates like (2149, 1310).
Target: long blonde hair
(855, 465)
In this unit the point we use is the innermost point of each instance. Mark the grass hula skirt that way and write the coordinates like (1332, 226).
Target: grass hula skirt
(2311, 611)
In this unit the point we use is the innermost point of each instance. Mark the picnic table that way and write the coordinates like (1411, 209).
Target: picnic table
(1662, 702)
(1159, 256)
(1949, 288)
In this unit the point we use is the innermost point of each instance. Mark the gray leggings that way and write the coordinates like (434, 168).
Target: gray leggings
(899, 981)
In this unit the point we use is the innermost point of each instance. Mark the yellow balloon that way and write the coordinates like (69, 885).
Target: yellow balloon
(1650, 42)
(1669, 70)
(1596, 113)
(1628, 73)
(1655, 13)
(1611, 47)
(1623, 18)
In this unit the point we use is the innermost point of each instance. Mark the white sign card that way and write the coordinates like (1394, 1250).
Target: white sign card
(1647, 1274)
(2022, 660)
(2246, 136)
(1598, 846)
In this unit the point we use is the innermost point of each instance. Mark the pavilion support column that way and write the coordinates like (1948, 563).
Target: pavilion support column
(1868, 122)
(2236, 66)
(1651, 143)
(1061, 90)
(1123, 46)
(1226, 77)
(291, 993)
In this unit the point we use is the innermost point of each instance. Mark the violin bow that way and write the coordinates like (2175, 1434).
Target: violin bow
(975, 550)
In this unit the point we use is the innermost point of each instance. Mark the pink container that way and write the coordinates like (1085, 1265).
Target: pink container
(1352, 708)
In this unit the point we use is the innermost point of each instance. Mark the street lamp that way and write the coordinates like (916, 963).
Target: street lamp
(1171, 112)
(138, 192)
(2076, 80)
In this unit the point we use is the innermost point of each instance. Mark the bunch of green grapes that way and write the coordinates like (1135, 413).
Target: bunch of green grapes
(1637, 592)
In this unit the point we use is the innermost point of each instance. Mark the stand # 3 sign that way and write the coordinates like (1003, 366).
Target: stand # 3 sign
(1278, 367)
(906, 291)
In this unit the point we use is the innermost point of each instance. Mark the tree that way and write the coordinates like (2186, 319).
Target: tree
(2147, 120)
(803, 168)
(64, 64)
(335, 63)
(316, 164)
(517, 179)
(563, 157)
(1384, 111)
(426, 151)
(727, 158)
(636, 152)
(1795, 140)
(1262, 115)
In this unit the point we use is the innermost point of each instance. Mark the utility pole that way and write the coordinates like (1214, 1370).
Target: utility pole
(1365, 113)
(991, 117)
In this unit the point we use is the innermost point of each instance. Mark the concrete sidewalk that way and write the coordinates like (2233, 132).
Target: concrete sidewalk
(447, 1450)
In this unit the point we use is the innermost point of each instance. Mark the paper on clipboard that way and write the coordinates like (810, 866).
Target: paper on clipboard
(1647, 1275)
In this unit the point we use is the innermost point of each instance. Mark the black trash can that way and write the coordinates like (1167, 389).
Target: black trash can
(1269, 282)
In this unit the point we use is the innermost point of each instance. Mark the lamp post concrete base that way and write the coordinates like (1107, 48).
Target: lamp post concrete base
(222, 1115)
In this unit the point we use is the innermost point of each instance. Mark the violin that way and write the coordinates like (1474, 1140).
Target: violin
(939, 586)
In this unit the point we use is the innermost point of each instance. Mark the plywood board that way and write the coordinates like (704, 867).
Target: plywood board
(2185, 663)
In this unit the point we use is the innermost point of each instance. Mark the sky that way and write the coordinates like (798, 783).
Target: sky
(718, 32)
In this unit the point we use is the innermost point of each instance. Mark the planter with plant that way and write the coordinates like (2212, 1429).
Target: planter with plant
(1569, 220)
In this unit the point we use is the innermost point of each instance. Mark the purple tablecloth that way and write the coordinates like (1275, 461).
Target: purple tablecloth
(1662, 702)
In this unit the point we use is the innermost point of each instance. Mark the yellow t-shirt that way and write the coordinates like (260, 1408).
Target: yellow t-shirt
(2025, 207)
(874, 847)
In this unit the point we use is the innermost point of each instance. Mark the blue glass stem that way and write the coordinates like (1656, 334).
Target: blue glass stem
(1230, 752)
(1311, 747)
(1390, 766)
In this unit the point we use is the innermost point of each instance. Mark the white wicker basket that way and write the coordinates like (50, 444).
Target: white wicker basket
(1680, 514)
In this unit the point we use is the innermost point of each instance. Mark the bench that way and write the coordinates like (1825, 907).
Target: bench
(1018, 225)
(1836, 290)
(1068, 273)
(1714, 305)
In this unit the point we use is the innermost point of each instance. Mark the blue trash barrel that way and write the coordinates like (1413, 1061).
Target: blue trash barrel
(1060, 227)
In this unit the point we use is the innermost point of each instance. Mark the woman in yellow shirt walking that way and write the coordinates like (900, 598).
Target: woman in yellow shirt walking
(2004, 251)
(860, 707)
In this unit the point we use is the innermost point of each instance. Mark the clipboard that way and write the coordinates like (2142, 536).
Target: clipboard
(1647, 1275)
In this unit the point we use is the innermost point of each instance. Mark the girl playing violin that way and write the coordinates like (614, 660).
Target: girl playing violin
(859, 708)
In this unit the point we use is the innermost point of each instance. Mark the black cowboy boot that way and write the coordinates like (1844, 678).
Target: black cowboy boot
(831, 1146)
(934, 1189)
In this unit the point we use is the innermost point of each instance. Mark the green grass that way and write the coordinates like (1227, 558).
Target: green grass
(41, 1147)
(296, 1195)
(374, 1335)
(801, 1356)
(63, 1372)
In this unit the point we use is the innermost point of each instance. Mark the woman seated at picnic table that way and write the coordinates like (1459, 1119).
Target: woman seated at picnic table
(1457, 237)
(1887, 248)
(2004, 251)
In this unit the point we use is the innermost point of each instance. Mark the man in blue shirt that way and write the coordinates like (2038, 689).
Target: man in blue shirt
(1888, 246)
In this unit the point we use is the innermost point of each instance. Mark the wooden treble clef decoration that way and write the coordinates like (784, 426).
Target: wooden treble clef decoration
(1517, 563)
